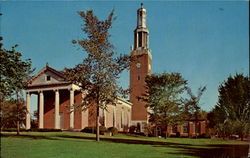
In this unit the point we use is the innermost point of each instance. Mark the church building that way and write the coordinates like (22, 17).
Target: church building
(57, 96)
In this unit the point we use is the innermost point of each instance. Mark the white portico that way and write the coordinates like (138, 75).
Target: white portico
(51, 84)
(56, 100)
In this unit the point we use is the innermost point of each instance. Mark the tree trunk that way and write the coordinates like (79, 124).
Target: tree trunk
(18, 128)
(196, 124)
(241, 137)
(17, 114)
(166, 135)
(97, 124)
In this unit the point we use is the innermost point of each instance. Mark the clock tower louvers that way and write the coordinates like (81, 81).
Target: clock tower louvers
(139, 69)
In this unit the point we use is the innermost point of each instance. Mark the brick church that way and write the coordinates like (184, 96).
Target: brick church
(56, 96)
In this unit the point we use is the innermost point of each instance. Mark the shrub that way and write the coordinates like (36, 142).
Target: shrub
(44, 130)
(103, 129)
(92, 129)
(33, 130)
(12, 130)
(178, 134)
(113, 130)
(148, 129)
(204, 135)
(132, 129)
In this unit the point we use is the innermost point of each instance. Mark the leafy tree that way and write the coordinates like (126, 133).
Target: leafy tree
(13, 76)
(233, 108)
(13, 113)
(193, 106)
(98, 73)
(163, 98)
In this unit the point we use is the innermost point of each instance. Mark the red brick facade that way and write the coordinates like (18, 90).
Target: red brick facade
(58, 93)
(137, 85)
(139, 69)
(187, 129)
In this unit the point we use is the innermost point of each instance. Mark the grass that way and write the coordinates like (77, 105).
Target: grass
(76, 144)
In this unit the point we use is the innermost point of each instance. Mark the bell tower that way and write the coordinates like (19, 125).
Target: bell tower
(140, 67)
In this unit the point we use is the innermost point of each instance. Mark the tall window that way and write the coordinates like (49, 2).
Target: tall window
(48, 78)
(185, 128)
(174, 129)
(197, 128)
(121, 120)
(114, 118)
(140, 39)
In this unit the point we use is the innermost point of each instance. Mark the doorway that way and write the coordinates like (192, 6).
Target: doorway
(61, 120)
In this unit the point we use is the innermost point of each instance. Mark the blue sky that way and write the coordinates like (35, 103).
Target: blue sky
(205, 41)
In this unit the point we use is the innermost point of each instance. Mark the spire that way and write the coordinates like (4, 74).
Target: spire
(141, 32)
(141, 17)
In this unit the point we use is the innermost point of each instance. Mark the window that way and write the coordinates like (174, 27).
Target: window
(121, 120)
(48, 78)
(139, 78)
(174, 129)
(140, 39)
(114, 118)
(185, 128)
(197, 128)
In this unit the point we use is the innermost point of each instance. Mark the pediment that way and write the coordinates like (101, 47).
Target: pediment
(47, 76)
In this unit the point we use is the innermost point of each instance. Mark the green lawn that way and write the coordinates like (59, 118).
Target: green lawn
(83, 145)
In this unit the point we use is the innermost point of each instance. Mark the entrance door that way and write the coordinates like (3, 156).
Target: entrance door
(61, 120)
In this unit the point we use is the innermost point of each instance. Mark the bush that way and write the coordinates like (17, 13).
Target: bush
(12, 130)
(44, 130)
(204, 135)
(178, 134)
(32, 130)
(89, 130)
(132, 129)
(92, 129)
(113, 130)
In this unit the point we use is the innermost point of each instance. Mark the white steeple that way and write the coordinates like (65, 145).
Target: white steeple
(141, 37)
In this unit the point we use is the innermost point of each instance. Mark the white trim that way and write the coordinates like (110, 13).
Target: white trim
(125, 103)
(52, 88)
(41, 109)
(57, 104)
(71, 109)
(28, 110)
(139, 121)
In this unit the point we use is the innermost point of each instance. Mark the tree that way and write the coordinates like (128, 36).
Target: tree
(14, 73)
(233, 107)
(98, 73)
(13, 113)
(163, 98)
(193, 104)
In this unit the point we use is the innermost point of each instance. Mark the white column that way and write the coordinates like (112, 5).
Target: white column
(57, 123)
(71, 107)
(28, 110)
(41, 111)
(114, 117)
(104, 117)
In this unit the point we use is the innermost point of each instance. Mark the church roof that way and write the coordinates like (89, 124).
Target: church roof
(55, 78)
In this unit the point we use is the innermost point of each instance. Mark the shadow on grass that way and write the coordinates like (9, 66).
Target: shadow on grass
(28, 136)
(216, 151)
(202, 151)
